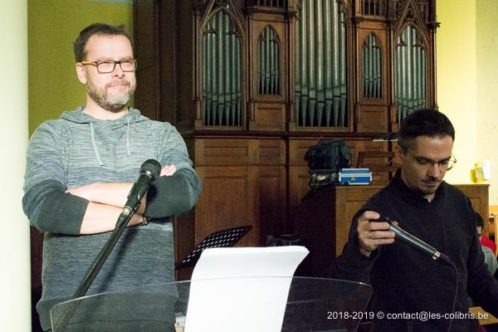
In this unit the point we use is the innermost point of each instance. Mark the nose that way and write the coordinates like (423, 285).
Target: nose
(434, 170)
(118, 71)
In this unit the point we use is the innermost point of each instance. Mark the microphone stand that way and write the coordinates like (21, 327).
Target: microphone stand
(149, 171)
(106, 250)
(96, 266)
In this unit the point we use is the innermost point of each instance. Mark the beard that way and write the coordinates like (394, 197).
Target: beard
(111, 101)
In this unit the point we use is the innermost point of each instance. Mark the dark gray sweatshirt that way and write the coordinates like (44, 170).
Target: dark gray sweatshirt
(77, 150)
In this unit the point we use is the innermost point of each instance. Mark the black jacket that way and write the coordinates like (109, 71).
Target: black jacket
(407, 282)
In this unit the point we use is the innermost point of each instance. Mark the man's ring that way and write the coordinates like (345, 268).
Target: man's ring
(370, 235)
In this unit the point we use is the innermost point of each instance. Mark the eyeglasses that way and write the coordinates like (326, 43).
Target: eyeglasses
(443, 165)
(108, 66)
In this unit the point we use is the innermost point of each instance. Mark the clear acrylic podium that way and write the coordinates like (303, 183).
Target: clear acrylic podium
(313, 304)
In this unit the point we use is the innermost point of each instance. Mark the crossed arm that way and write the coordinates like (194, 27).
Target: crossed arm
(106, 201)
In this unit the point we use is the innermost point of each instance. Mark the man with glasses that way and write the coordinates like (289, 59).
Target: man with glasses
(80, 169)
(408, 283)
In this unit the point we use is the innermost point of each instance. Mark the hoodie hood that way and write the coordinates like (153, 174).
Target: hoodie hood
(78, 116)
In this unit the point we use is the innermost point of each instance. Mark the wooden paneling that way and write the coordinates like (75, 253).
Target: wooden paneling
(271, 152)
(373, 119)
(225, 152)
(271, 200)
(227, 200)
(268, 117)
(298, 185)
(243, 183)
(479, 196)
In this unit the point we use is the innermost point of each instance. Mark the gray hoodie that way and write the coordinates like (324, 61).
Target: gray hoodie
(78, 149)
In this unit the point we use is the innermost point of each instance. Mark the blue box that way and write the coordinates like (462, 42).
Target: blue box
(355, 176)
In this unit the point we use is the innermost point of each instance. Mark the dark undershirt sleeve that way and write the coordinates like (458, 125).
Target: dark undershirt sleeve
(50, 209)
(173, 195)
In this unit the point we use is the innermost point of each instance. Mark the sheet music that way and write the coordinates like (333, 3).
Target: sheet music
(241, 289)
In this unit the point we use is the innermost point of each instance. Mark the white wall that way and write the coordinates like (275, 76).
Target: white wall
(15, 285)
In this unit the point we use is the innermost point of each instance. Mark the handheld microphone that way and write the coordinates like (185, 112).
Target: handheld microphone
(414, 241)
(149, 171)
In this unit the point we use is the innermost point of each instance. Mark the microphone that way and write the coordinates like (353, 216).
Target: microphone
(414, 241)
(149, 171)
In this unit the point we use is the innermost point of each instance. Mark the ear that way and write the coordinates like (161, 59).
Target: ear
(398, 151)
(81, 73)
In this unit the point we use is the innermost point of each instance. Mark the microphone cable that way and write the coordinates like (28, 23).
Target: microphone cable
(453, 306)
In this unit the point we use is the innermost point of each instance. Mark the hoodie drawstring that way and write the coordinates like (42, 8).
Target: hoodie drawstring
(128, 136)
(94, 144)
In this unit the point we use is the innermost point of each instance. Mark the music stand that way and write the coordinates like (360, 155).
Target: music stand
(224, 238)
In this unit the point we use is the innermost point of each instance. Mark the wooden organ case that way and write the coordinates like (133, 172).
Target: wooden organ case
(251, 84)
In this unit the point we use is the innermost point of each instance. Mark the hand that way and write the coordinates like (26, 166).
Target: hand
(137, 219)
(372, 232)
(168, 170)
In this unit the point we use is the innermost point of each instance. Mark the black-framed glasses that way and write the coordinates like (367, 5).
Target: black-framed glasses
(443, 165)
(108, 66)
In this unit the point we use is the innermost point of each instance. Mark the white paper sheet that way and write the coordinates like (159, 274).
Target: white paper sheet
(241, 289)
